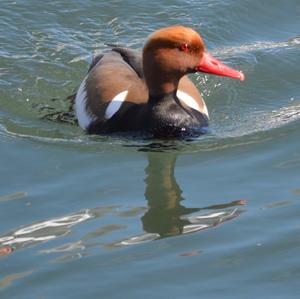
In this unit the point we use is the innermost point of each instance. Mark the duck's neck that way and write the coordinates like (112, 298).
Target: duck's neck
(160, 79)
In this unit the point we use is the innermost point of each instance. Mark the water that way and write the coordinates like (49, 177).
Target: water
(108, 217)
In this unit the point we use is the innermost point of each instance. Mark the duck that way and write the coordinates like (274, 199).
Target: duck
(149, 90)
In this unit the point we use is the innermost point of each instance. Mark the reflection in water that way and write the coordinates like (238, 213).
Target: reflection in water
(13, 196)
(48, 230)
(6, 281)
(164, 196)
(41, 232)
(166, 216)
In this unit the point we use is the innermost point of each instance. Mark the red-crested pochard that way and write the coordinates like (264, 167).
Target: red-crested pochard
(126, 90)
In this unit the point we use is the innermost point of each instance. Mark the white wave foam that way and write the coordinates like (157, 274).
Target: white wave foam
(256, 46)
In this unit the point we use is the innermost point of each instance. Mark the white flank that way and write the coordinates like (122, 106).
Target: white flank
(115, 104)
(205, 111)
(83, 116)
(190, 101)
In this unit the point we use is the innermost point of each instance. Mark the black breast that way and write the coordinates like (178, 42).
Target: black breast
(168, 118)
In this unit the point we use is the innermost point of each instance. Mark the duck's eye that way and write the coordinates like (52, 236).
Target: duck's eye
(185, 47)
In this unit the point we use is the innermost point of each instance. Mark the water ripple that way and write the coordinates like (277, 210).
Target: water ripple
(257, 46)
(44, 230)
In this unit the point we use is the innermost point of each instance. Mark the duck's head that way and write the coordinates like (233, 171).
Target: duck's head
(173, 52)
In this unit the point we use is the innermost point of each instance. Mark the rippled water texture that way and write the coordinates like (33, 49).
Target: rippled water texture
(115, 217)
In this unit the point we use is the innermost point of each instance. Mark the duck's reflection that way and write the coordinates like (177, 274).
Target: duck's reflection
(166, 216)
(164, 196)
